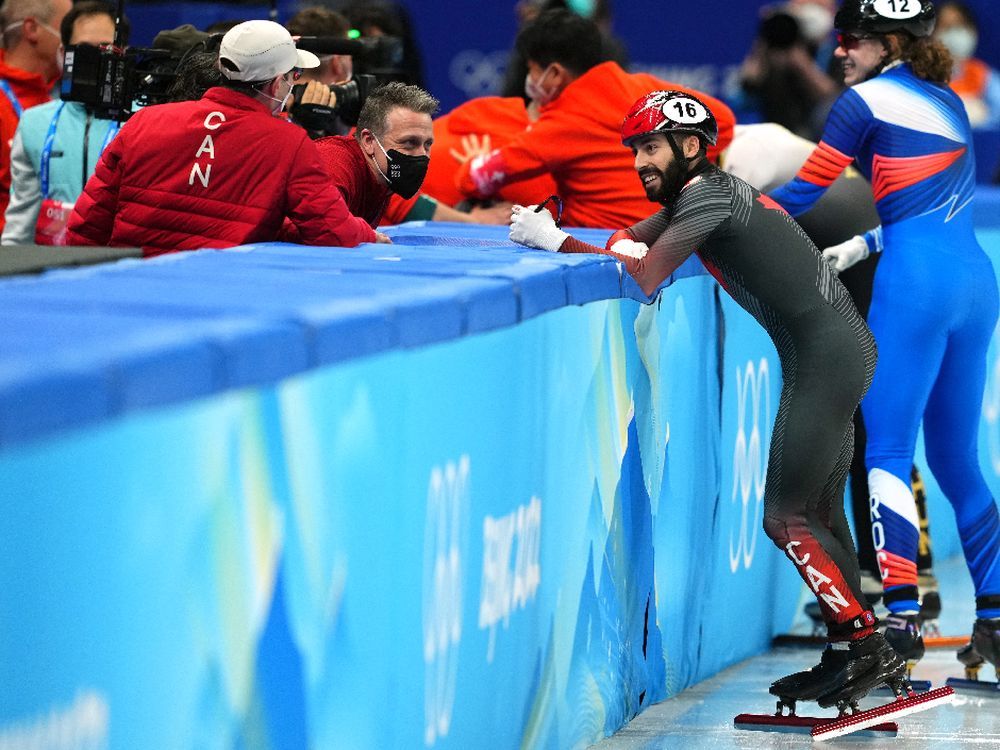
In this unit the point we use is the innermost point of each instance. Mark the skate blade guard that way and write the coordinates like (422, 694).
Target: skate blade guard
(978, 686)
(911, 704)
(803, 725)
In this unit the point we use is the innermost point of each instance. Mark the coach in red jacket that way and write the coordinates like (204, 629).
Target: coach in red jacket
(220, 171)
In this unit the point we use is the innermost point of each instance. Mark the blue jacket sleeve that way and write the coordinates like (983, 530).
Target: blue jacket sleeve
(846, 130)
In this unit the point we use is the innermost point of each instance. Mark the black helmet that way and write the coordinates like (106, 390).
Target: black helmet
(885, 16)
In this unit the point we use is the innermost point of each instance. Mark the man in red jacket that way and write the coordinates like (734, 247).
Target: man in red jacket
(220, 171)
(576, 136)
(29, 67)
(387, 155)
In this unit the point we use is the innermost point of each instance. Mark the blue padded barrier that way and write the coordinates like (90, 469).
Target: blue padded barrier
(544, 517)
(136, 334)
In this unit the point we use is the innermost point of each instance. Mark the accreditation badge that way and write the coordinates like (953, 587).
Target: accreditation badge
(52, 220)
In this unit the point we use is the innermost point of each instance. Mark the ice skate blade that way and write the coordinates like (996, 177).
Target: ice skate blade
(979, 686)
(920, 686)
(797, 640)
(900, 707)
(803, 725)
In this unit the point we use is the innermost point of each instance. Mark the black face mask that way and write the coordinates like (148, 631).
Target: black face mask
(406, 173)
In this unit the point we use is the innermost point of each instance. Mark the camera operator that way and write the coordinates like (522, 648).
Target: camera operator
(781, 75)
(315, 109)
(220, 171)
(29, 68)
(57, 144)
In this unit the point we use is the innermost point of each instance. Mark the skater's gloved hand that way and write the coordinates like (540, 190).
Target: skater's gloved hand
(846, 254)
(535, 229)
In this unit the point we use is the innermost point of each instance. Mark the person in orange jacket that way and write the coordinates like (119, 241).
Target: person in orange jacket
(475, 127)
(576, 136)
(973, 80)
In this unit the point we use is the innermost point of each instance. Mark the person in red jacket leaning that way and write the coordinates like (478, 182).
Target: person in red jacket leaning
(30, 63)
(380, 169)
(576, 136)
(222, 170)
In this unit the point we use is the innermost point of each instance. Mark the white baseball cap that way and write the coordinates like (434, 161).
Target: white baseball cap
(260, 51)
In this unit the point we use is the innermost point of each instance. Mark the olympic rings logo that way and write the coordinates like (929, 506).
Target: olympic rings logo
(478, 73)
(750, 457)
(444, 547)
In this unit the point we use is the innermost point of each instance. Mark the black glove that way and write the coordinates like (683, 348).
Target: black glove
(320, 120)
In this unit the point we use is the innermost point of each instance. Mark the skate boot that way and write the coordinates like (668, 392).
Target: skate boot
(984, 647)
(812, 683)
(930, 603)
(902, 632)
(871, 662)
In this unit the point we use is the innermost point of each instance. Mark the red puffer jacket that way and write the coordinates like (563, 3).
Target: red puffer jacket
(216, 172)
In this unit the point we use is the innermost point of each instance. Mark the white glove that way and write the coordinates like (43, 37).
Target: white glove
(846, 254)
(535, 229)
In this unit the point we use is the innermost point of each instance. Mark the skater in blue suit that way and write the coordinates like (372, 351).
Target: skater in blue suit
(934, 301)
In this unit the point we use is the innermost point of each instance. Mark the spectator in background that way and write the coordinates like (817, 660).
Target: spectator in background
(576, 138)
(374, 19)
(57, 144)
(781, 76)
(319, 21)
(29, 68)
(973, 80)
(598, 11)
(220, 171)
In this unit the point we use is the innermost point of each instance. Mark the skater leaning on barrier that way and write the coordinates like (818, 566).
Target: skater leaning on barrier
(767, 156)
(772, 269)
(934, 300)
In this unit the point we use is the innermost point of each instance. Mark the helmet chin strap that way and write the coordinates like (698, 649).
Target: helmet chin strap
(678, 154)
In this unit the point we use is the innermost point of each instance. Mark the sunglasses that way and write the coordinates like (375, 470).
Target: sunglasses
(852, 41)
(295, 73)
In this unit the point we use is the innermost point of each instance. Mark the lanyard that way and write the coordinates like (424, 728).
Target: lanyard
(50, 139)
(9, 93)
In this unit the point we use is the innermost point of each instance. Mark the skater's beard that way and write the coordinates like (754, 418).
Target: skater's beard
(668, 187)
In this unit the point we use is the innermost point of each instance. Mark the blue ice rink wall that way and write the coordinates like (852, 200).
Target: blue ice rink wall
(446, 494)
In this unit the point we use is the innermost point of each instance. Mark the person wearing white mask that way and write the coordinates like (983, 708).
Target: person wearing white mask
(29, 68)
(219, 171)
(972, 79)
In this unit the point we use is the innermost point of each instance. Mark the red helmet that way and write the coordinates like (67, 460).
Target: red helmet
(670, 111)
